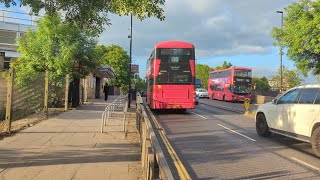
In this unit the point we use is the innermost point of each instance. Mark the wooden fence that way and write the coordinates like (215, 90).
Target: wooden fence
(37, 95)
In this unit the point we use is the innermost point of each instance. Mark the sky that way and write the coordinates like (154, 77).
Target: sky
(236, 31)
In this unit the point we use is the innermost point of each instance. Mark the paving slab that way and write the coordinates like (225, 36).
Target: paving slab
(70, 146)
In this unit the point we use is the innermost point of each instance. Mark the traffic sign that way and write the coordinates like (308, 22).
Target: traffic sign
(3, 54)
(246, 104)
(134, 68)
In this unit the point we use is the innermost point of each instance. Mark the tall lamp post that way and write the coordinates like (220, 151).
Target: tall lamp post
(130, 59)
(281, 12)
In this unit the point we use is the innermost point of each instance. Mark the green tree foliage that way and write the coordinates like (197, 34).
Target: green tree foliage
(290, 78)
(300, 35)
(202, 72)
(92, 14)
(225, 65)
(140, 85)
(57, 47)
(261, 84)
(116, 57)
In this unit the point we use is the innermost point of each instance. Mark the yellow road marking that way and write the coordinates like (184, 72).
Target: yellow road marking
(183, 174)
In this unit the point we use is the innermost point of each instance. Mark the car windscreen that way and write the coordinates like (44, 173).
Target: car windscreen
(175, 66)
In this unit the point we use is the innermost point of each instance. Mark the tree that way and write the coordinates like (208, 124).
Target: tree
(116, 57)
(261, 84)
(57, 47)
(290, 78)
(92, 14)
(140, 85)
(300, 35)
(202, 72)
(225, 65)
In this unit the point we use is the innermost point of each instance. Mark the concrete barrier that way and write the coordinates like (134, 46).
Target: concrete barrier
(263, 99)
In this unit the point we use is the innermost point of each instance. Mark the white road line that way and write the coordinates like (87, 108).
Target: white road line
(306, 164)
(199, 115)
(237, 133)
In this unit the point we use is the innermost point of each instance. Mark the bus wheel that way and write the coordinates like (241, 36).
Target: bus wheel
(224, 98)
(212, 97)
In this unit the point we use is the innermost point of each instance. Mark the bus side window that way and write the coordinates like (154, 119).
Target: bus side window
(218, 87)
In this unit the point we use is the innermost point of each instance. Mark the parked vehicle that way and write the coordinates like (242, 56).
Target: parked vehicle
(294, 114)
(202, 93)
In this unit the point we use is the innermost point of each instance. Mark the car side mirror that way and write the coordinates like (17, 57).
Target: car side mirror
(274, 101)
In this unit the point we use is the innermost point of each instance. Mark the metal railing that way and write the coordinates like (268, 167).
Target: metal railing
(17, 17)
(118, 105)
(154, 163)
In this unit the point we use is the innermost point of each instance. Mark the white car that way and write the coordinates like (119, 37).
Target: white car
(294, 114)
(202, 93)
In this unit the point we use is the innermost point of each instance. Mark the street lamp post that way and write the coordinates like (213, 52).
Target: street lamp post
(281, 12)
(130, 59)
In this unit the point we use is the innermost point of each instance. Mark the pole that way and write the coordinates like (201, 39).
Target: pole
(130, 58)
(281, 83)
(46, 94)
(10, 82)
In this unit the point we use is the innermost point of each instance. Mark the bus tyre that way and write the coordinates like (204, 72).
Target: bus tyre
(212, 97)
(262, 127)
(224, 98)
(315, 140)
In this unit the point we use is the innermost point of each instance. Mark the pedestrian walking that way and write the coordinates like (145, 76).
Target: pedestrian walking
(105, 90)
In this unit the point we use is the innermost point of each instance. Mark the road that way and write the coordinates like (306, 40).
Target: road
(218, 144)
(232, 106)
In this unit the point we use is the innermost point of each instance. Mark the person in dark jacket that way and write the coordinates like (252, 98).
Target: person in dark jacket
(105, 90)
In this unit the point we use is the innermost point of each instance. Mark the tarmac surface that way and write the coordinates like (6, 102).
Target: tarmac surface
(70, 146)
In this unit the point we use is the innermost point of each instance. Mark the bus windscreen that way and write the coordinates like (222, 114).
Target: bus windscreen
(175, 66)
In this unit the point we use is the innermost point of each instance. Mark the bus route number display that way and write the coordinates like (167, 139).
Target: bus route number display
(174, 59)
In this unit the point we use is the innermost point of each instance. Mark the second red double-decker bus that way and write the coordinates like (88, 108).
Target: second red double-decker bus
(171, 76)
(232, 84)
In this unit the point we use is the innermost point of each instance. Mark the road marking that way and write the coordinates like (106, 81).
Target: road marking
(306, 164)
(182, 171)
(199, 115)
(237, 133)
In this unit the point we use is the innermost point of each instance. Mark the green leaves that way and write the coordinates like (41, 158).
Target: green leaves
(261, 84)
(290, 78)
(300, 35)
(91, 15)
(139, 8)
(116, 57)
(202, 72)
(225, 65)
(58, 47)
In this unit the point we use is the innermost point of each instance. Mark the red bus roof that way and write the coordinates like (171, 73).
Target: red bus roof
(233, 68)
(174, 44)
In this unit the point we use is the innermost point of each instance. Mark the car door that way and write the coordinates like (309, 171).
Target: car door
(304, 112)
(285, 110)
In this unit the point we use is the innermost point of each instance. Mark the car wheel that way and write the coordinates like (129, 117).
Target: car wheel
(315, 140)
(262, 127)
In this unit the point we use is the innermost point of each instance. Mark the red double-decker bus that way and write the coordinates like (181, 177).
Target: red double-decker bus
(232, 84)
(171, 76)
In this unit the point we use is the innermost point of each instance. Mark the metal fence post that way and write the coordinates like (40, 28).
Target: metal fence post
(66, 96)
(9, 100)
(46, 94)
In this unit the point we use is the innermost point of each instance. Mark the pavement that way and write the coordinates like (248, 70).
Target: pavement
(70, 146)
